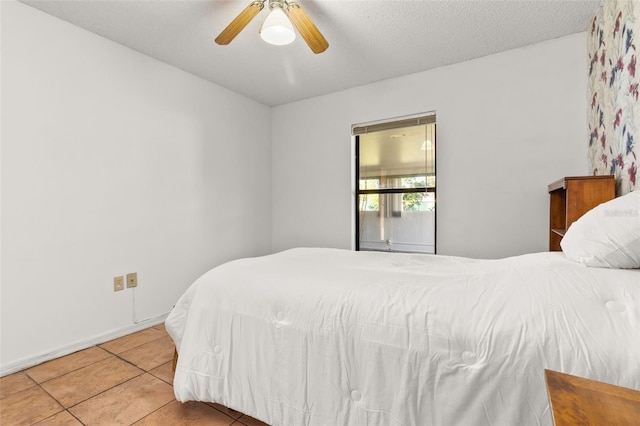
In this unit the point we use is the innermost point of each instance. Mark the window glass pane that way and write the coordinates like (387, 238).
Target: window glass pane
(398, 158)
(369, 183)
(418, 201)
(393, 227)
(413, 182)
(391, 162)
(369, 203)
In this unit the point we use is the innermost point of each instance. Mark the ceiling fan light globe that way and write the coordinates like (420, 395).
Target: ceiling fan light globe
(278, 36)
(277, 29)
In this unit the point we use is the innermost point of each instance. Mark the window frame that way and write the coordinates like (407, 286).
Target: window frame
(357, 191)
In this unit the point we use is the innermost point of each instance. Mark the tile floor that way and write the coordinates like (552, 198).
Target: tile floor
(127, 381)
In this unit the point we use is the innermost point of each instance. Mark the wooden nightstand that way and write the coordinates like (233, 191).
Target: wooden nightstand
(579, 401)
(570, 198)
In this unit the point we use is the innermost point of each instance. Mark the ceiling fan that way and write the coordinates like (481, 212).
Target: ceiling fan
(277, 28)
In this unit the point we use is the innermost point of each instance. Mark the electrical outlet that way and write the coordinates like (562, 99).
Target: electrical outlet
(118, 283)
(132, 280)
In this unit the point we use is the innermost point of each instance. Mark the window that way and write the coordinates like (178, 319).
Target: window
(396, 186)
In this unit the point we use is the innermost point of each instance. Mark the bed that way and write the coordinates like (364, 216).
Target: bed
(313, 336)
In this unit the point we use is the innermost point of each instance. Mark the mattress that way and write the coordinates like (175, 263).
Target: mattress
(315, 336)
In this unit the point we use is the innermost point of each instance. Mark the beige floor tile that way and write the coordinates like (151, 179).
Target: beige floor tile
(60, 419)
(89, 381)
(161, 327)
(132, 340)
(189, 413)
(152, 354)
(27, 407)
(66, 364)
(164, 372)
(250, 421)
(125, 403)
(228, 411)
(14, 383)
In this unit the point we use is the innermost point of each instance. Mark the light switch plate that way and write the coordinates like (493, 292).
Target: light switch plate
(118, 283)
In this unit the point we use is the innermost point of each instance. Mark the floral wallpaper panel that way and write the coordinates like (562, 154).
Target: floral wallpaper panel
(614, 76)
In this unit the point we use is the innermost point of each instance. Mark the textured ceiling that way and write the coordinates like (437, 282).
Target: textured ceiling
(368, 40)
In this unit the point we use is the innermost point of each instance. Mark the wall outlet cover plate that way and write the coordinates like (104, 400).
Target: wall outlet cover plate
(132, 280)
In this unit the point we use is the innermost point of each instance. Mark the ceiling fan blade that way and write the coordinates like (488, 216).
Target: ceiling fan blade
(307, 29)
(238, 24)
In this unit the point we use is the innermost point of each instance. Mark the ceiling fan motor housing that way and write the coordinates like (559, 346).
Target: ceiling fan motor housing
(282, 4)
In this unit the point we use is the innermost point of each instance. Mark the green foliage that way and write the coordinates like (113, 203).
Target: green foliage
(413, 201)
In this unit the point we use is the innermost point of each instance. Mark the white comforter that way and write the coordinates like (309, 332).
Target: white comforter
(335, 337)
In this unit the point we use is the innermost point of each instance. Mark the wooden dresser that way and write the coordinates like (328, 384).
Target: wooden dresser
(571, 197)
(579, 401)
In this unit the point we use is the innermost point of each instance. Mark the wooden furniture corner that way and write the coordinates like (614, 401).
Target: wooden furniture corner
(570, 198)
(579, 401)
(175, 359)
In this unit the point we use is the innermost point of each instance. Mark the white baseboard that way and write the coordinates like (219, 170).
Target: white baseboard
(30, 361)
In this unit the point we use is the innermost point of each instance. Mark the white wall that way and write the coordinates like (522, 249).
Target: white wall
(508, 125)
(113, 162)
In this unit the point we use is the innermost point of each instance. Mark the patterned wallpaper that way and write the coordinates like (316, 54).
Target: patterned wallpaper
(614, 75)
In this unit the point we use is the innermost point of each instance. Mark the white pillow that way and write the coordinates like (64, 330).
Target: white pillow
(608, 236)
